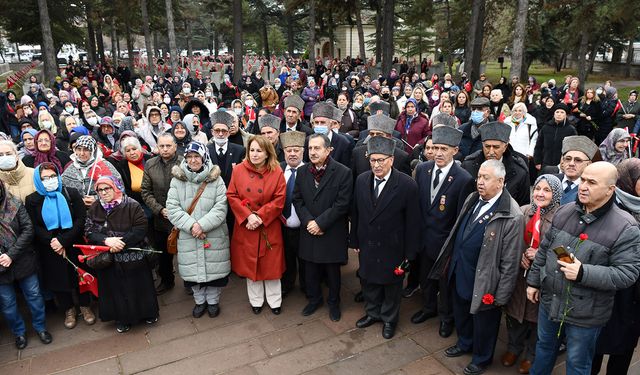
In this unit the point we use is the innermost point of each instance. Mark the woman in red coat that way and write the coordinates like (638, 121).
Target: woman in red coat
(256, 197)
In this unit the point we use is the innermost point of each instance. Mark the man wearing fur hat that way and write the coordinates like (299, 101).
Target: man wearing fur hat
(383, 234)
(326, 120)
(293, 119)
(495, 145)
(577, 153)
(269, 125)
(223, 153)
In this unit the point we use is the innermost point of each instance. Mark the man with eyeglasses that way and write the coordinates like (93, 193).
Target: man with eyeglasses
(577, 153)
(155, 186)
(224, 153)
(326, 120)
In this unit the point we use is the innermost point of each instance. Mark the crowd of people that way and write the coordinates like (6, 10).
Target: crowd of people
(521, 198)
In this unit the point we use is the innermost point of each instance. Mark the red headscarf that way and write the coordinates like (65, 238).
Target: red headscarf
(49, 156)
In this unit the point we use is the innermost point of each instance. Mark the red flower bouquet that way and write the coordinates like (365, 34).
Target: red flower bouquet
(488, 299)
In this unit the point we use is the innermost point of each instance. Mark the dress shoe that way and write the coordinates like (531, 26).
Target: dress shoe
(151, 320)
(422, 316)
(366, 321)
(446, 329)
(198, 310)
(473, 369)
(87, 315)
(45, 337)
(163, 288)
(454, 351)
(213, 310)
(334, 313)
(388, 330)
(410, 290)
(359, 297)
(256, 309)
(21, 342)
(508, 359)
(70, 318)
(122, 328)
(276, 310)
(525, 366)
(310, 308)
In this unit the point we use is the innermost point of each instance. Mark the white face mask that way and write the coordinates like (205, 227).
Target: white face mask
(249, 102)
(27, 112)
(51, 184)
(46, 124)
(357, 105)
(238, 111)
(69, 109)
(220, 141)
(276, 85)
(186, 90)
(8, 162)
(93, 121)
(49, 95)
(167, 100)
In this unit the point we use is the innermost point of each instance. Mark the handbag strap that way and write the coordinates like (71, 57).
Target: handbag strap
(195, 199)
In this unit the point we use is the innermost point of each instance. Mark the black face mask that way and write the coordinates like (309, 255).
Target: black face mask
(385, 96)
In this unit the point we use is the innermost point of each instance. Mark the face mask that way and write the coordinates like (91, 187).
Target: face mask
(277, 85)
(435, 97)
(447, 85)
(208, 94)
(69, 109)
(46, 124)
(27, 112)
(385, 96)
(357, 105)
(93, 121)
(366, 101)
(8, 162)
(249, 102)
(238, 111)
(186, 90)
(321, 129)
(220, 141)
(477, 117)
(51, 184)
(342, 106)
(336, 76)
(167, 100)
(49, 96)
(599, 91)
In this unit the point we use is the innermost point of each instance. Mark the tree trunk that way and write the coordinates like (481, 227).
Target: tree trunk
(627, 68)
(448, 40)
(147, 33)
(332, 37)
(156, 46)
(582, 59)
(519, 34)
(387, 36)
(171, 31)
(187, 26)
(237, 40)
(475, 34)
(129, 39)
(265, 38)
(48, 51)
(91, 43)
(592, 55)
(616, 55)
(290, 40)
(312, 32)
(216, 45)
(361, 45)
(379, 30)
(18, 52)
(100, 41)
(114, 41)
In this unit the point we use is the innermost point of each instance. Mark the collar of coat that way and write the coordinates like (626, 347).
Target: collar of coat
(504, 207)
(178, 173)
(594, 215)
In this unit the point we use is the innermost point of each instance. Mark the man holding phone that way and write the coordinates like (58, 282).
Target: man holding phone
(576, 297)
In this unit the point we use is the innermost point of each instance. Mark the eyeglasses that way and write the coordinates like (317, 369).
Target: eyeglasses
(378, 161)
(220, 131)
(52, 177)
(569, 159)
(104, 190)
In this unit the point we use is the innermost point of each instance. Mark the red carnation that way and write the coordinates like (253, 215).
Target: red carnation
(245, 202)
(398, 271)
(488, 299)
(584, 236)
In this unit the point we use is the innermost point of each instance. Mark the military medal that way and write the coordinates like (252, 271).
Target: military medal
(443, 200)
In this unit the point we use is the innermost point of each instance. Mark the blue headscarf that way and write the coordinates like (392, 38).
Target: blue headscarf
(55, 210)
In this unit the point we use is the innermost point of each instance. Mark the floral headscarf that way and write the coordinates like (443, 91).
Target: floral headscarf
(556, 193)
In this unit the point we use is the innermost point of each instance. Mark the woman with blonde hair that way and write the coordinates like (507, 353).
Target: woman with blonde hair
(256, 196)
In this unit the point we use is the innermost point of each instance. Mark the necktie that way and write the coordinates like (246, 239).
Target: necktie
(376, 189)
(286, 212)
(436, 180)
(221, 152)
(481, 204)
(569, 186)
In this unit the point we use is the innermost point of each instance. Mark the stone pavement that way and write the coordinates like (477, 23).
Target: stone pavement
(239, 342)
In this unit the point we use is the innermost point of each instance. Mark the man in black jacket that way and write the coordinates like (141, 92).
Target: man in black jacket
(293, 120)
(223, 153)
(495, 145)
(326, 117)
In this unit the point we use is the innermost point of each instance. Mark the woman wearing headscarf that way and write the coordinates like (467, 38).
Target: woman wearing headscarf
(19, 264)
(522, 315)
(203, 243)
(131, 167)
(86, 168)
(181, 134)
(256, 197)
(194, 127)
(127, 293)
(45, 151)
(46, 121)
(619, 337)
(58, 217)
(27, 146)
(615, 148)
(310, 95)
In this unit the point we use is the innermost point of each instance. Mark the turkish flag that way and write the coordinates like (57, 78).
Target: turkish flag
(532, 230)
(87, 282)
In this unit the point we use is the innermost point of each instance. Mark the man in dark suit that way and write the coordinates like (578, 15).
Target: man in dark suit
(322, 198)
(223, 153)
(293, 120)
(443, 187)
(326, 118)
(384, 234)
(577, 152)
(378, 126)
(293, 144)
(495, 145)
(269, 125)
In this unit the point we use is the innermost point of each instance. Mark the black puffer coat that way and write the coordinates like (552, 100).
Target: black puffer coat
(24, 261)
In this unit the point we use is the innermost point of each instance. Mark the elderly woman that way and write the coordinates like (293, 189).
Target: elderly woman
(203, 244)
(256, 196)
(131, 167)
(86, 168)
(524, 130)
(310, 95)
(45, 151)
(58, 217)
(46, 121)
(17, 177)
(127, 293)
(18, 263)
(106, 134)
(27, 146)
(522, 315)
(615, 148)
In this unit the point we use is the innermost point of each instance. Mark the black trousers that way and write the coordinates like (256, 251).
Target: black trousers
(67, 300)
(617, 363)
(382, 301)
(294, 265)
(413, 280)
(165, 261)
(314, 273)
(435, 293)
(476, 332)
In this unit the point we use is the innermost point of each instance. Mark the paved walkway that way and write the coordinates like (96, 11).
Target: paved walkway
(239, 342)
